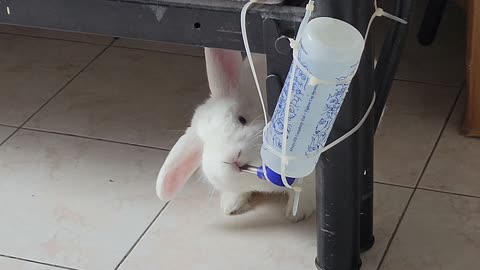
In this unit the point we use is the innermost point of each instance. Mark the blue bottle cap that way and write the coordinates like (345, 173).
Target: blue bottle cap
(273, 177)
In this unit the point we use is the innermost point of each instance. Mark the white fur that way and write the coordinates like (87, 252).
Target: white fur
(215, 123)
(225, 141)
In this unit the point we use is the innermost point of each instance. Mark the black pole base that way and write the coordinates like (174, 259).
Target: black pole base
(358, 267)
(431, 21)
(367, 245)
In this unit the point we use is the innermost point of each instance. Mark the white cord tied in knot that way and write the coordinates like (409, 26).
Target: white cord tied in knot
(310, 7)
(379, 12)
(295, 45)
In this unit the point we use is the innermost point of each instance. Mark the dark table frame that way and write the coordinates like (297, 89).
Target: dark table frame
(344, 173)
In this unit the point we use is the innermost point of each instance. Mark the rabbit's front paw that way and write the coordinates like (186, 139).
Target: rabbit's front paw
(306, 207)
(234, 203)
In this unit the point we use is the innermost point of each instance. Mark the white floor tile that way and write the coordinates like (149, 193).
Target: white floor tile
(129, 95)
(32, 70)
(193, 233)
(75, 202)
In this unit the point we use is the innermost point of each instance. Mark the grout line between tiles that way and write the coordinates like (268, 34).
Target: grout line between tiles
(393, 185)
(430, 83)
(100, 44)
(8, 137)
(155, 51)
(94, 138)
(450, 113)
(10, 126)
(397, 226)
(449, 192)
(58, 92)
(59, 39)
(429, 189)
(38, 262)
(67, 83)
(21, 127)
(141, 237)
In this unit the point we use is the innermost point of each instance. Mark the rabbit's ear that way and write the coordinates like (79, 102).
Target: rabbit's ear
(182, 161)
(223, 70)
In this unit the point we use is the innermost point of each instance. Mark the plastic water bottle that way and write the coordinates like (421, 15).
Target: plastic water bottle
(330, 50)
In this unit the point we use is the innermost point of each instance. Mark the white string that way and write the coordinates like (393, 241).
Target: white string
(353, 130)
(286, 119)
(379, 12)
(243, 26)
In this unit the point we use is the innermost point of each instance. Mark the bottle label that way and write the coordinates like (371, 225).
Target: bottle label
(312, 111)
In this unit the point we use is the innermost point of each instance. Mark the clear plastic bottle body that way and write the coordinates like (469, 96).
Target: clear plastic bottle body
(330, 50)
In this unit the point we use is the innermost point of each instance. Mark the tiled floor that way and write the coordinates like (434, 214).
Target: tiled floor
(86, 122)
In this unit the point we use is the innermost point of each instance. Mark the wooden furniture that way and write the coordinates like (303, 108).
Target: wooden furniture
(471, 124)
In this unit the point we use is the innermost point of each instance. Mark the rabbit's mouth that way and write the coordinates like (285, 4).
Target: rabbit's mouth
(236, 165)
(236, 162)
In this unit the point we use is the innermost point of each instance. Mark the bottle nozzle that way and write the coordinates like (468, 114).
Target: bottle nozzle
(272, 176)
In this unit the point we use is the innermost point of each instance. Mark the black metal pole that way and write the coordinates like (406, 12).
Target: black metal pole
(431, 21)
(366, 149)
(390, 57)
(384, 74)
(339, 171)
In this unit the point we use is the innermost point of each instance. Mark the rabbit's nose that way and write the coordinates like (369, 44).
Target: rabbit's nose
(236, 160)
(235, 157)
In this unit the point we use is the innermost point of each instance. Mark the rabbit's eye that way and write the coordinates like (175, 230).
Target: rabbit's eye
(242, 120)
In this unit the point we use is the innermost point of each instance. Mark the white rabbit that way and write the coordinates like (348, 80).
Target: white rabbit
(226, 134)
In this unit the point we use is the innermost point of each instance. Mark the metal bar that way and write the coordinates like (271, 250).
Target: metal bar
(279, 58)
(390, 58)
(195, 23)
(384, 75)
(431, 21)
(366, 153)
(339, 170)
